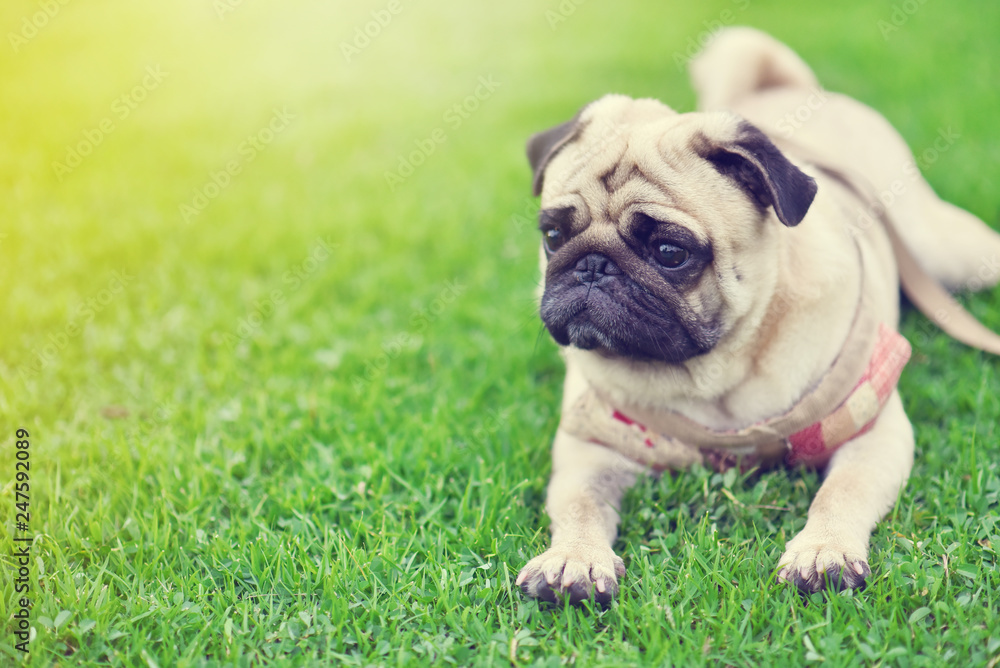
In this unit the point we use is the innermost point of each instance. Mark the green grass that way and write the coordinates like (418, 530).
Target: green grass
(246, 456)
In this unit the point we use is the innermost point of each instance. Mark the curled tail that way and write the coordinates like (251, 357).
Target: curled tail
(739, 61)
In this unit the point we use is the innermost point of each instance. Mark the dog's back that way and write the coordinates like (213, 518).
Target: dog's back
(751, 73)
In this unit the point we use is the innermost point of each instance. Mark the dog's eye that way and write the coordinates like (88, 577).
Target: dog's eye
(669, 255)
(553, 238)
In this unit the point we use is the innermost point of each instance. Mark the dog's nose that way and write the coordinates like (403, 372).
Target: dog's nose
(593, 267)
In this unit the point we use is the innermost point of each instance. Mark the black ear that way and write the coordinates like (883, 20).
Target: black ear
(765, 173)
(543, 146)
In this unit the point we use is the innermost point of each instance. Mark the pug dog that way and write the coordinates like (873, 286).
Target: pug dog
(708, 267)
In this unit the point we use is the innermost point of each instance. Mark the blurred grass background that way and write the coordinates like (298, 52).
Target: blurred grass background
(251, 448)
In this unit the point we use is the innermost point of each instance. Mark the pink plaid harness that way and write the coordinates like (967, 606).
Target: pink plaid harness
(813, 445)
(596, 421)
(857, 413)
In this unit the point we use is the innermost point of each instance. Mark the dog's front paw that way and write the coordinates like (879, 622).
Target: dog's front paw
(575, 571)
(812, 564)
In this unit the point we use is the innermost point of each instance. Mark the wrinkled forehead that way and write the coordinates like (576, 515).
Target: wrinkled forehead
(611, 166)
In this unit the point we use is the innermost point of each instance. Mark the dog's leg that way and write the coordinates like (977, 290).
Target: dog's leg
(956, 247)
(584, 496)
(862, 482)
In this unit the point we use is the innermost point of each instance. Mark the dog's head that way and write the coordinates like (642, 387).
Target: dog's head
(659, 229)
